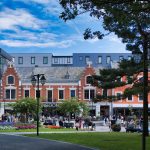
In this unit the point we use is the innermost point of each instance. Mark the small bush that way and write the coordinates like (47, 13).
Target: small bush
(116, 127)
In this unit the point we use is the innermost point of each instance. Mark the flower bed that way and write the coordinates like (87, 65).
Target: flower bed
(53, 127)
(26, 126)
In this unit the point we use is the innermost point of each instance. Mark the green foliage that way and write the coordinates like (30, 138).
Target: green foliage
(72, 106)
(25, 107)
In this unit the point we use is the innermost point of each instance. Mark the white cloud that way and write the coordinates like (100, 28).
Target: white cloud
(18, 43)
(11, 19)
(113, 38)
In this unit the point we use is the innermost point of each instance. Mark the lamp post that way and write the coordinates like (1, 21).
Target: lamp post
(37, 79)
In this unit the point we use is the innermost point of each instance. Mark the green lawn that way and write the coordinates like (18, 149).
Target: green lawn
(102, 141)
(40, 130)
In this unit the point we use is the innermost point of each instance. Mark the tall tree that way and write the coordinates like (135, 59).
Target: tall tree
(26, 107)
(129, 20)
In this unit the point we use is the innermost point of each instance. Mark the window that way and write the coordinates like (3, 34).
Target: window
(68, 59)
(129, 57)
(120, 58)
(140, 97)
(89, 79)
(99, 59)
(89, 94)
(87, 59)
(38, 93)
(10, 80)
(118, 96)
(49, 95)
(72, 93)
(20, 60)
(130, 98)
(26, 93)
(105, 92)
(10, 94)
(55, 60)
(45, 60)
(108, 59)
(81, 58)
(32, 60)
(61, 94)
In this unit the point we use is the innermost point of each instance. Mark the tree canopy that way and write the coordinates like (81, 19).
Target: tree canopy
(73, 106)
(25, 107)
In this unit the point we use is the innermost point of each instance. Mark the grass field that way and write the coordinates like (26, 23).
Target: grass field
(102, 141)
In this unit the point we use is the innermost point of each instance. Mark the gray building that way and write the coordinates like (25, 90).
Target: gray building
(103, 60)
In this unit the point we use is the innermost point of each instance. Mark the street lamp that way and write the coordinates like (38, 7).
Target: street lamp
(37, 79)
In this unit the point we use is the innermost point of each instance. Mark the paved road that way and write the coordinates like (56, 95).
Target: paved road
(11, 142)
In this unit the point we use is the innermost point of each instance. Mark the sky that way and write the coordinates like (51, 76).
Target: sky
(34, 26)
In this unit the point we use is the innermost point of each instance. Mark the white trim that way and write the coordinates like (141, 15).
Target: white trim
(49, 88)
(89, 87)
(10, 87)
(51, 84)
(128, 105)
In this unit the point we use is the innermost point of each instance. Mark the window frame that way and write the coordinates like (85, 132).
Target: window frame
(8, 80)
(20, 60)
(32, 60)
(10, 94)
(45, 60)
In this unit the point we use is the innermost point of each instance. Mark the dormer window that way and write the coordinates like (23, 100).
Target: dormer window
(10, 80)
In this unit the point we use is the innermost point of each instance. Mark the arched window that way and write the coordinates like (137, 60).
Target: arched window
(10, 80)
(89, 79)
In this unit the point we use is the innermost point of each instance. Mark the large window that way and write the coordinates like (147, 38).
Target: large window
(72, 93)
(32, 60)
(61, 94)
(87, 59)
(10, 80)
(45, 60)
(99, 59)
(26, 93)
(89, 94)
(20, 60)
(108, 59)
(10, 94)
(49, 95)
(105, 92)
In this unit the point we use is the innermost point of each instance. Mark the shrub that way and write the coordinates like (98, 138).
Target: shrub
(116, 127)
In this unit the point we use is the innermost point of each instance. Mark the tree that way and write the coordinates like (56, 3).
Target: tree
(129, 20)
(26, 107)
(73, 106)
